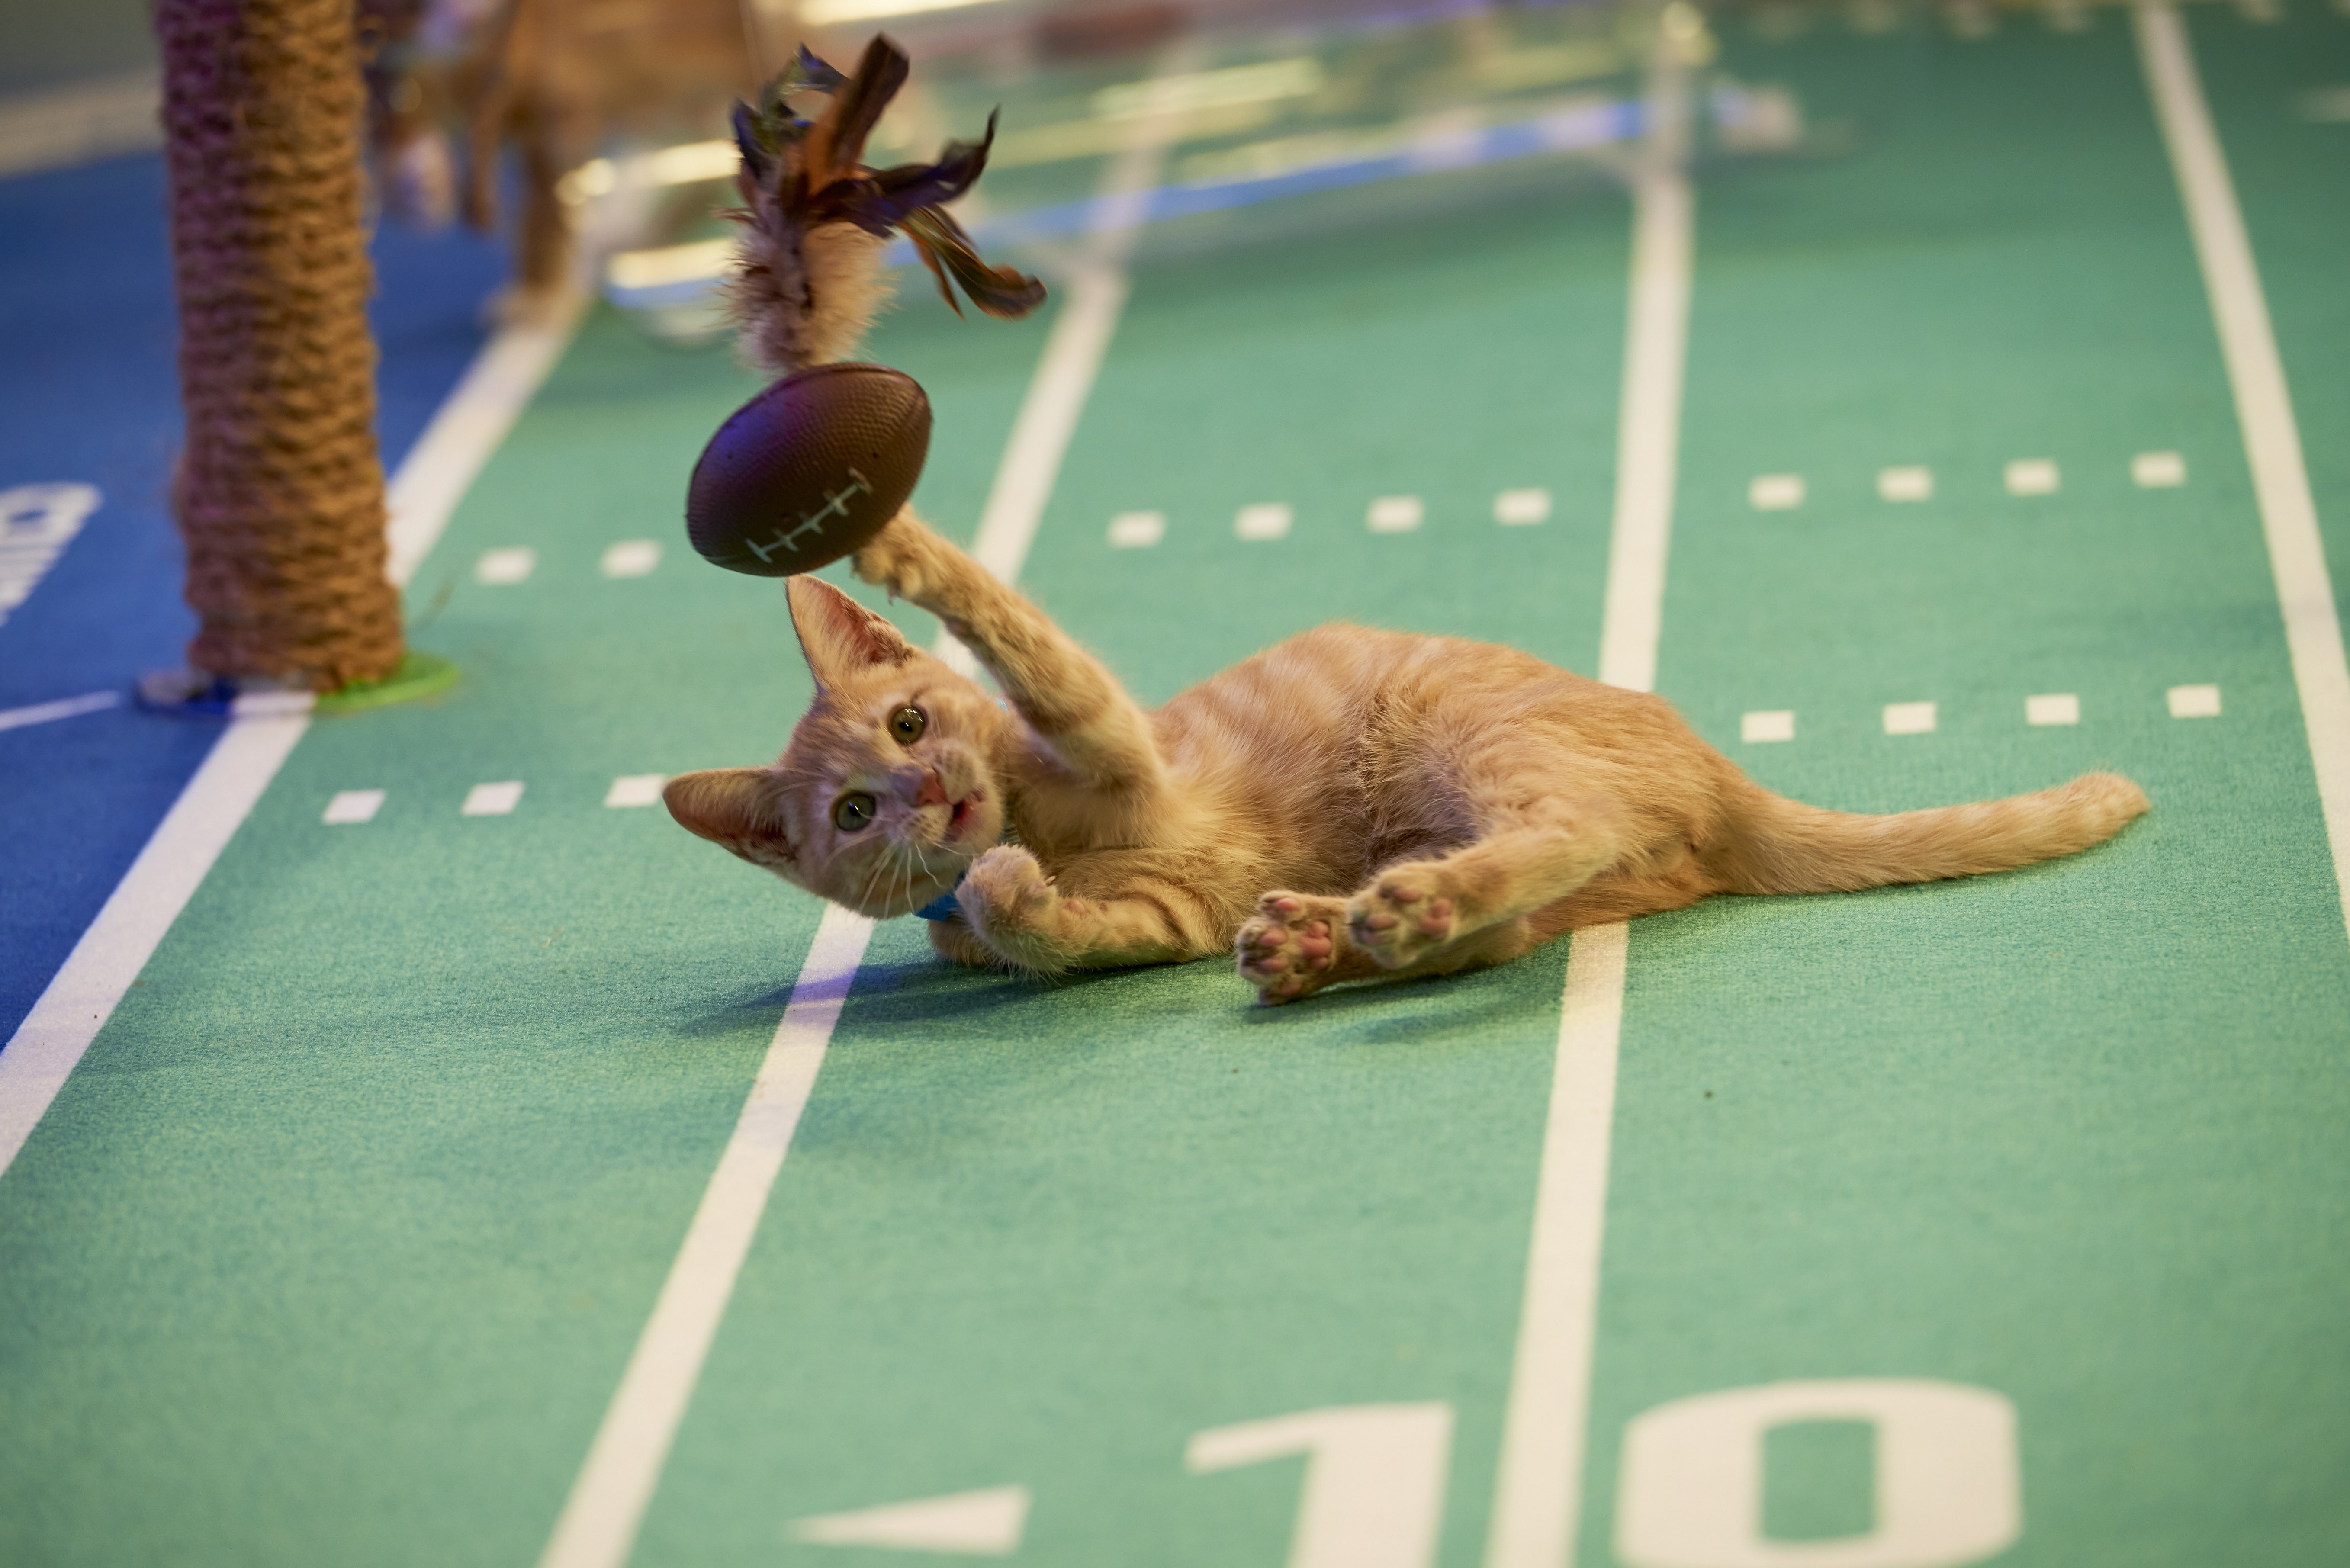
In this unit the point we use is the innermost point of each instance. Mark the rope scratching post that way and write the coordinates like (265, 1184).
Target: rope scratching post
(280, 493)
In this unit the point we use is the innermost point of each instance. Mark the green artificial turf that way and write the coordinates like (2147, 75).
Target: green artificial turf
(334, 1248)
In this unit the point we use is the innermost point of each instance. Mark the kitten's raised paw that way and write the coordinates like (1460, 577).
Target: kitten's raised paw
(1293, 947)
(1399, 919)
(895, 558)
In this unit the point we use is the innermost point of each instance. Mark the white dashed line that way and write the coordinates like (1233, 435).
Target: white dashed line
(501, 568)
(1769, 724)
(2054, 708)
(635, 789)
(1393, 514)
(1136, 530)
(2328, 106)
(1908, 718)
(353, 805)
(631, 558)
(1906, 484)
(1775, 492)
(492, 799)
(2194, 702)
(2158, 470)
(1266, 520)
(1521, 508)
(2031, 476)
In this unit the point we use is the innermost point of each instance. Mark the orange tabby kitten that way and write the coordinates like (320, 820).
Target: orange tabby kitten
(1349, 804)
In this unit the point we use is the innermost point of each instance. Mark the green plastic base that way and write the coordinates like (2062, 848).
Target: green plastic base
(419, 675)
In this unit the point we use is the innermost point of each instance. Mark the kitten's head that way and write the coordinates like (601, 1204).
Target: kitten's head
(885, 793)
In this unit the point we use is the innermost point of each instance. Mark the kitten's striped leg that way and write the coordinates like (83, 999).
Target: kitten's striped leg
(1030, 924)
(1414, 910)
(1077, 707)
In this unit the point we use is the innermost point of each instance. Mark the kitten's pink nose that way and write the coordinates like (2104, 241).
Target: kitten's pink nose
(932, 792)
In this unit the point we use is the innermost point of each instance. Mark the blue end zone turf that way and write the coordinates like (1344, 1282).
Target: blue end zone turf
(92, 396)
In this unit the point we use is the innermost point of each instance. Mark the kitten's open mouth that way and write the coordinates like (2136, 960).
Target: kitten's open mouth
(963, 809)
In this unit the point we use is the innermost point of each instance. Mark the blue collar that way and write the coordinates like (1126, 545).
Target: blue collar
(943, 907)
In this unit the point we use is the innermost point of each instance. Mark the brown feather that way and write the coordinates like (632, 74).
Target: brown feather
(813, 217)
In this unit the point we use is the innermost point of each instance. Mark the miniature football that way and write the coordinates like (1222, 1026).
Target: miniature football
(809, 470)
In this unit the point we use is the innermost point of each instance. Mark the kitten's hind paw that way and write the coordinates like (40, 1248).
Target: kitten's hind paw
(1296, 945)
(1399, 919)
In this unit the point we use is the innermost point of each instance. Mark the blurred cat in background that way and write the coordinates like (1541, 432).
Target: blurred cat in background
(555, 80)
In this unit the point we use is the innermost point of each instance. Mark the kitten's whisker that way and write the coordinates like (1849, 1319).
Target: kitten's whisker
(865, 897)
(896, 864)
(911, 901)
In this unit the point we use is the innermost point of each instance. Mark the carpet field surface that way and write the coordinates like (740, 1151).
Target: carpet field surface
(2005, 1219)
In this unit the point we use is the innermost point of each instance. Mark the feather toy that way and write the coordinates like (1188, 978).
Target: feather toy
(814, 217)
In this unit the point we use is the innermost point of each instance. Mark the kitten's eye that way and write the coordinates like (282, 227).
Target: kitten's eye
(907, 725)
(853, 812)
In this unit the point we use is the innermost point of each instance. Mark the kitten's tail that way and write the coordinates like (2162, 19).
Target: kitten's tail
(1780, 845)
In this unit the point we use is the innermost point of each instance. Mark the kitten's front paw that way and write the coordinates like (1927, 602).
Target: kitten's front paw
(1293, 947)
(1402, 917)
(896, 558)
(1010, 903)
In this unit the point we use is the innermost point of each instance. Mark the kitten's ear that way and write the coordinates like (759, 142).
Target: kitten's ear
(839, 636)
(728, 806)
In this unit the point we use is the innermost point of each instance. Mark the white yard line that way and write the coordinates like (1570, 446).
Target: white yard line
(49, 1044)
(1048, 415)
(1538, 1491)
(1649, 427)
(607, 1501)
(1080, 336)
(470, 425)
(2304, 588)
(63, 708)
(599, 1525)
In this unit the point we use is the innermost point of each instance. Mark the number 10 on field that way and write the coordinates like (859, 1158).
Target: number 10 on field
(1945, 1481)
